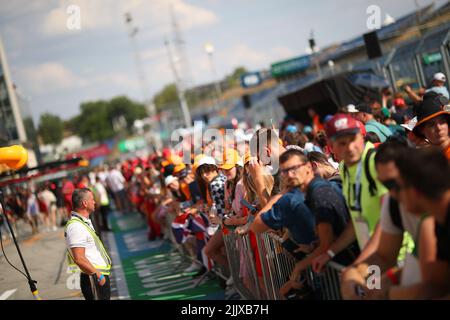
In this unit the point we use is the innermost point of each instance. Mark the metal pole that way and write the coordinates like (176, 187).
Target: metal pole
(180, 88)
(215, 80)
(31, 282)
(140, 71)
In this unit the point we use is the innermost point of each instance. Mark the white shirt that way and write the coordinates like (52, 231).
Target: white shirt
(48, 197)
(77, 236)
(103, 175)
(104, 200)
(115, 180)
(411, 269)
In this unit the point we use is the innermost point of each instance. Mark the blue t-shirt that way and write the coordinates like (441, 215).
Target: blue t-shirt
(379, 129)
(291, 212)
(439, 90)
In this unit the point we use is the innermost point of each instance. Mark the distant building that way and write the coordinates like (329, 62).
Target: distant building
(12, 129)
(16, 123)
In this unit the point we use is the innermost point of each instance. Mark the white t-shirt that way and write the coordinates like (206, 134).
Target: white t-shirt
(115, 180)
(409, 221)
(77, 236)
(104, 200)
(411, 270)
(103, 175)
(48, 197)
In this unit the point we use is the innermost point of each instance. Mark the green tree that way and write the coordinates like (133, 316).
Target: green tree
(168, 95)
(96, 121)
(234, 79)
(50, 128)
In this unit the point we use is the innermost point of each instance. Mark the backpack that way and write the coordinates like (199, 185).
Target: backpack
(372, 184)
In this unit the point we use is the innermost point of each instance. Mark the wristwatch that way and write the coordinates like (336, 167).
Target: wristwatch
(330, 253)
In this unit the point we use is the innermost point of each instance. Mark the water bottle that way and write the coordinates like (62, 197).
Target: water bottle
(212, 226)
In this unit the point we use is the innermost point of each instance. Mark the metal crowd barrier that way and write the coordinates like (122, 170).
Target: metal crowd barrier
(241, 262)
(216, 269)
(276, 267)
(326, 285)
(277, 264)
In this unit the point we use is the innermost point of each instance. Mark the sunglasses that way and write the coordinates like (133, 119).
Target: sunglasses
(391, 184)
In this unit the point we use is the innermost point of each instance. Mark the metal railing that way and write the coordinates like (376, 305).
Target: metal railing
(275, 267)
(242, 265)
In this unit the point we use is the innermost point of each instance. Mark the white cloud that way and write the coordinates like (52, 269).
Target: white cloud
(154, 54)
(244, 55)
(191, 16)
(93, 15)
(110, 14)
(52, 77)
(281, 53)
(23, 7)
(48, 77)
(119, 79)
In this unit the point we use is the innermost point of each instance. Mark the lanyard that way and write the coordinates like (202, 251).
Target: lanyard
(82, 220)
(357, 191)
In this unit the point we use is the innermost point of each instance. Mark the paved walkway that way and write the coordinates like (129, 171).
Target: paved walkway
(44, 255)
(142, 269)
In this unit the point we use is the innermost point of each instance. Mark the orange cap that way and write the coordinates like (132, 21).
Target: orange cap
(179, 168)
(231, 158)
(175, 160)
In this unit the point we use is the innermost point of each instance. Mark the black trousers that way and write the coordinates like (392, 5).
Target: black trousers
(104, 210)
(104, 292)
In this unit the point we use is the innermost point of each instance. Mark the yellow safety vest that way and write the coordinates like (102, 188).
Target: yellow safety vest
(73, 267)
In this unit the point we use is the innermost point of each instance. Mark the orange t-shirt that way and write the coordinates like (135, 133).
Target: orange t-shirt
(186, 191)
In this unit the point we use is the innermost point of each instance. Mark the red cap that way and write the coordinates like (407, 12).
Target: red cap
(399, 102)
(341, 124)
(166, 153)
(362, 127)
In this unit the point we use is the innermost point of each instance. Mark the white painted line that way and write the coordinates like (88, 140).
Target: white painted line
(7, 294)
(117, 271)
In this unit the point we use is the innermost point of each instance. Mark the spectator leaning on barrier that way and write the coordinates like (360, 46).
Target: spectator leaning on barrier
(289, 211)
(86, 251)
(361, 188)
(232, 168)
(365, 115)
(424, 182)
(210, 179)
(266, 144)
(325, 202)
(433, 122)
(324, 167)
(398, 226)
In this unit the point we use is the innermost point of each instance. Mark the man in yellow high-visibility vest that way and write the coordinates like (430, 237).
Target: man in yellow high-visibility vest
(85, 250)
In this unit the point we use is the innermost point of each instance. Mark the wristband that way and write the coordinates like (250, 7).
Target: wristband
(100, 278)
(331, 254)
(391, 275)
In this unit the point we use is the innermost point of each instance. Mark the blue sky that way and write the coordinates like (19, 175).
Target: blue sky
(58, 68)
